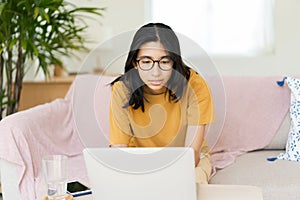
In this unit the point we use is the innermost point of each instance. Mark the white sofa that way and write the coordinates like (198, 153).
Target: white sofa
(279, 180)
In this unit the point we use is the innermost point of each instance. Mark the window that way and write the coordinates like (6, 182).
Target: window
(231, 27)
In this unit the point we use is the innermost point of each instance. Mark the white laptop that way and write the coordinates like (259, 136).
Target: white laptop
(141, 173)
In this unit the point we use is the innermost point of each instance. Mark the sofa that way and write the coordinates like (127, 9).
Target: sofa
(252, 124)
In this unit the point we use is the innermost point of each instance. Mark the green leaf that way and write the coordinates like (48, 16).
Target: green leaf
(12, 43)
(2, 6)
(34, 48)
(44, 15)
(36, 13)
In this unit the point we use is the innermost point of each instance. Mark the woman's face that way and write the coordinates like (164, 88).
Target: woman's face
(155, 79)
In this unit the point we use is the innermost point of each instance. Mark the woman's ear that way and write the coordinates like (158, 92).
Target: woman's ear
(134, 64)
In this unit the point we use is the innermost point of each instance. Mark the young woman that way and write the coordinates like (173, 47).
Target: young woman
(159, 100)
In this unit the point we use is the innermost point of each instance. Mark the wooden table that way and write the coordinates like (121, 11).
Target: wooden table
(219, 192)
(229, 192)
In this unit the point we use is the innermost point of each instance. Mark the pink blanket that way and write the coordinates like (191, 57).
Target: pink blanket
(27, 136)
(64, 126)
(255, 109)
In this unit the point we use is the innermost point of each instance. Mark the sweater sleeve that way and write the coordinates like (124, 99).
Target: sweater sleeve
(200, 103)
(120, 132)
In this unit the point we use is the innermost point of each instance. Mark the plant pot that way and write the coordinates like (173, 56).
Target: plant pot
(59, 71)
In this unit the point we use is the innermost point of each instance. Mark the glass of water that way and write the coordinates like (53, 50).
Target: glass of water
(55, 173)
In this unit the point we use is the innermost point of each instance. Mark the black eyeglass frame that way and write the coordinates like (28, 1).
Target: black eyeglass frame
(154, 61)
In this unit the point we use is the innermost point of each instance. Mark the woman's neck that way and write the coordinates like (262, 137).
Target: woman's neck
(154, 92)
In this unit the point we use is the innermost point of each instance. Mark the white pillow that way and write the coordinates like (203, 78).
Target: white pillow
(293, 142)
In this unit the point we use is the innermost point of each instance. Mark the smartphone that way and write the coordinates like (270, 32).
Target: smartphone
(75, 188)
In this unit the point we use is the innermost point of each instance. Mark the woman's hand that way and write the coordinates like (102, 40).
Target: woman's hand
(197, 157)
(118, 145)
(68, 197)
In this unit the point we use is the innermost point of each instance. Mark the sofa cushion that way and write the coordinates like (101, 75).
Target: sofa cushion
(279, 179)
(279, 140)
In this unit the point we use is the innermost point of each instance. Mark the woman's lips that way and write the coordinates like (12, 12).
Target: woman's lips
(155, 82)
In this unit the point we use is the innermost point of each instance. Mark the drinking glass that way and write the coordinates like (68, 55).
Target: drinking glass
(55, 173)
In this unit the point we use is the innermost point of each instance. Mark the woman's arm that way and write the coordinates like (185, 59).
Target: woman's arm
(200, 112)
(194, 139)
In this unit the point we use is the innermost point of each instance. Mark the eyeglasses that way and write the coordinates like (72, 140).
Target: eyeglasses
(146, 63)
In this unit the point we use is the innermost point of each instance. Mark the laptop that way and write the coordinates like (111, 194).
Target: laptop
(141, 173)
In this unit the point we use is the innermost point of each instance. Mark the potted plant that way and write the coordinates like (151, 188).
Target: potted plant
(44, 30)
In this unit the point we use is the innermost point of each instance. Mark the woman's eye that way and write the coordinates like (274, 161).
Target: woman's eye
(165, 61)
(146, 61)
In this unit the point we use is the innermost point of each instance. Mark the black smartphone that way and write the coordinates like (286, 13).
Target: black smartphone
(75, 188)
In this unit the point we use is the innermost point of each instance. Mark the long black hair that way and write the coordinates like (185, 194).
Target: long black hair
(154, 32)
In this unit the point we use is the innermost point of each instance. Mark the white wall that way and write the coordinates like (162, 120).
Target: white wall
(122, 16)
(286, 58)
